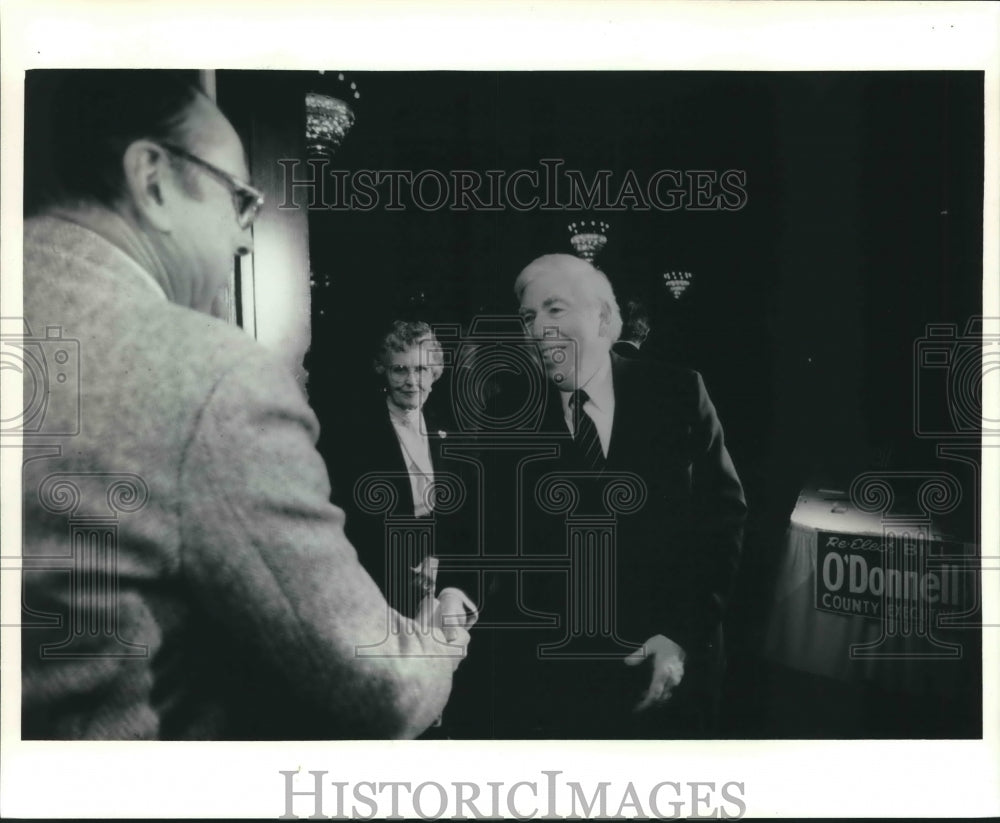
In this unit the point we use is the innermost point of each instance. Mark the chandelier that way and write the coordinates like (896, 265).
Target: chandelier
(329, 118)
(588, 237)
(677, 282)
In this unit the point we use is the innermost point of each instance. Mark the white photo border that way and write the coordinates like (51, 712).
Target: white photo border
(790, 778)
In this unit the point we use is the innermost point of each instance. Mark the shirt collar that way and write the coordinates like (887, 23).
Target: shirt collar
(600, 389)
(409, 418)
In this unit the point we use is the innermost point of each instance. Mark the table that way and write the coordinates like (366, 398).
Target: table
(859, 601)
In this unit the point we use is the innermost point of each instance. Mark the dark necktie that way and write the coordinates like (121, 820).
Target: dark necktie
(585, 434)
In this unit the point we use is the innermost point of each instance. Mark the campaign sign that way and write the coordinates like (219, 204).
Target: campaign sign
(886, 576)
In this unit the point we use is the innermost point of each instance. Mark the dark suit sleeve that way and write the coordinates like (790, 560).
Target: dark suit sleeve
(718, 514)
(457, 540)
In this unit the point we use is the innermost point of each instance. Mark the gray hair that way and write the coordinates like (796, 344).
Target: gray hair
(405, 335)
(595, 282)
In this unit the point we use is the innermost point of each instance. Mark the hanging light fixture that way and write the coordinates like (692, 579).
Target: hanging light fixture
(329, 117)
(677, 282)
(588, 237)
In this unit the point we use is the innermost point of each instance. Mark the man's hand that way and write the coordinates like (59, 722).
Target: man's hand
(667, 659)
(457, 612)
(451, 641)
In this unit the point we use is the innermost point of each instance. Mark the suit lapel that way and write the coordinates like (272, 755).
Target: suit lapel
(391, 450)
(641, 414)
(391, 460)
(436, 436)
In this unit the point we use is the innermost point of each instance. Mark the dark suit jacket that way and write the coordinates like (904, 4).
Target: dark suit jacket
(366, 445)
(626, 349)
(675, 557)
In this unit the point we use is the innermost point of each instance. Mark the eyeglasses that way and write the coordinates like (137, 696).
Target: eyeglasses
(246, 199)
(402, 372)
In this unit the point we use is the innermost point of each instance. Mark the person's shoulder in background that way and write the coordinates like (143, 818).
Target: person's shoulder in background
(625, 348)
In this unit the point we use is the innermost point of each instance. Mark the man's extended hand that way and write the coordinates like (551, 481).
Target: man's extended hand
(667, 663)
(457, 611)
(451, 641)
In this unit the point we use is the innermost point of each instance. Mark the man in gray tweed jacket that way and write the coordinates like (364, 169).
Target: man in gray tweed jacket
(184, 573)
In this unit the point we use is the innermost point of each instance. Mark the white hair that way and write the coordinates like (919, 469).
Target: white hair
(405, 335)
(595, 282)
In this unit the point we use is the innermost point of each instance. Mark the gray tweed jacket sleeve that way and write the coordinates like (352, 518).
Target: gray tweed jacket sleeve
(265, 552)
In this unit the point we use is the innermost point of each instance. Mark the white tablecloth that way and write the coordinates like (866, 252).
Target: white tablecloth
(809, 639)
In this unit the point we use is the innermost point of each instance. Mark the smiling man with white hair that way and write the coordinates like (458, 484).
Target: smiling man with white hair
(674, 560)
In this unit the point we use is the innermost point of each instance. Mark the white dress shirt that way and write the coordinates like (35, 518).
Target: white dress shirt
(411, 431)
(600, 405)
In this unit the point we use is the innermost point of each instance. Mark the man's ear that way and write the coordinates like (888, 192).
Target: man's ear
(149, 182)
(603, 329)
